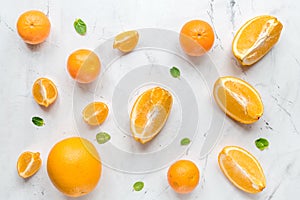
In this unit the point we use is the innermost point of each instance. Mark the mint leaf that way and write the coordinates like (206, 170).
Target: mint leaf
(261, 143)
(37, 121)
(185, 141)
(80, 26)
(175, 72)
(102, 137)
(138, 186)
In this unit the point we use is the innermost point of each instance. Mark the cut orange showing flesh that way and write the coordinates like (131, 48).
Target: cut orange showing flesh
(238, 99)
(126, 41)
(44, 91)
(95, 113)
(150, 113)
(28, 164)
(242, 169)
(255, 39)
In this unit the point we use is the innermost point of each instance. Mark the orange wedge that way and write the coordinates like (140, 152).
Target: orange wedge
(238, 99)
(28, 164)
(95, 113)
(150, 113)
(44, 91)
(242, 169)
(255, 39)
(126, 41)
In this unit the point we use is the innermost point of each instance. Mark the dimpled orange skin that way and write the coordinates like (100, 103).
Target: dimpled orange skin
(196, 37)
(33, 27)
(183, 176)
(74, 166)
(84, 66)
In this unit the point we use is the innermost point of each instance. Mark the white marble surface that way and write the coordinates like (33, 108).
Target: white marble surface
(276, 77)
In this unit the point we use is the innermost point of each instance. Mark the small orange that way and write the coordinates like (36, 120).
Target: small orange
(183, 176)
(242, 169)
(74, 166)
(28, 164)
(150, 113)
(95, 113)
(44, 91)
(84, 66)
(33, 26)
(196, 37)
(238, 99)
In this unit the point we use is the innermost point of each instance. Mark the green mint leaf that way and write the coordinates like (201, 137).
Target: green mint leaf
(80, 26)
(138, 186)
(102, 137)
(37, 121)
(175, 72)
(185, 141)
(261, 143)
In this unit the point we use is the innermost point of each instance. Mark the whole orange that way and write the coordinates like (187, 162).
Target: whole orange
(183, 176)
(84, 66)
(33, 26)
(74, 166)
(196, 37)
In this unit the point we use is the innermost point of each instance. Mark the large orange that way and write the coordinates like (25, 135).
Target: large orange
(183, 176)
(33, 26)
(84, 66)
(196, 37)
(74, 166)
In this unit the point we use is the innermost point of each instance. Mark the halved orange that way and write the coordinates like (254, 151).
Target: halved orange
(126, 41)
(44, 91)
(95, 113)
(238, 99)
(255, 39)
(28, 164)
(242, 169)
(150, 113)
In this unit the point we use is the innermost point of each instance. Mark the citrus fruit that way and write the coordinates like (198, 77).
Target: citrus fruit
(74, 166)
(44, 91)
(28, 164)
(255, 39)
(95, 113)
(149, 113)
(126, 41)
(33, 27)
(238, 99)
(83, 65)
(196, 37)
(183, 176)
(242, 169)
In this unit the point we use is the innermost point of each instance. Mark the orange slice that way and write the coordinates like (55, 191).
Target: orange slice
(238, 99)
(44, 91)
(126, 41)
(242, 169)
(95, 113)
(255, 39)
(150, 113)
(28, 164)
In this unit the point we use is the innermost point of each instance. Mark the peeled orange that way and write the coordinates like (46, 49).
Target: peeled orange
(255, 39)
(238, 99)
(126, 41)
(28, 164)
(44, 91)
(149, 113)
(95, 113)
(242, 169)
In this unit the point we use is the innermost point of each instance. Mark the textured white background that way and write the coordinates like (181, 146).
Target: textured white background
(276, 77)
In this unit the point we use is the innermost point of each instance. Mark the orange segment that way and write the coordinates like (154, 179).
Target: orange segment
(126, 41)
(255, 39)
(28, 164)
(44, 91)
(95, 113)
(242, 169)
(149, 113)
(238, 99)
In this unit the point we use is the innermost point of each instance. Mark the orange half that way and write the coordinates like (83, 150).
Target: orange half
(28, 164)
(44, 91)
